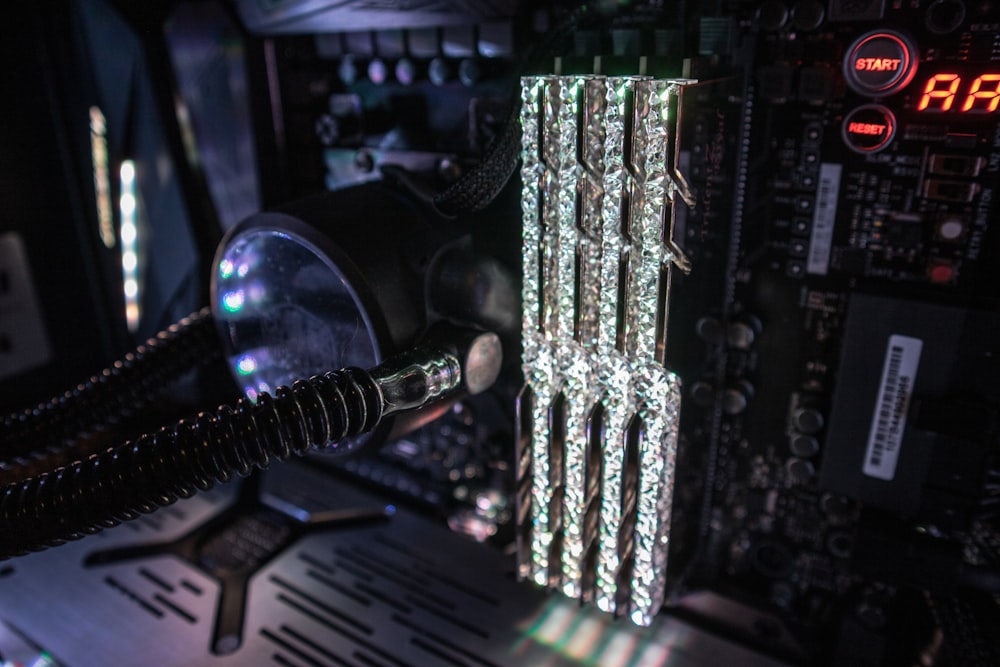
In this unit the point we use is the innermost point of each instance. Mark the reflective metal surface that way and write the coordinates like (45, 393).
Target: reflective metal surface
(285, 309)
(362, 585)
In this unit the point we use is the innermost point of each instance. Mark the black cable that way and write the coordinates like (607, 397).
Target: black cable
(156, 469)
(116, 392)
(480, 186)
(474, 191)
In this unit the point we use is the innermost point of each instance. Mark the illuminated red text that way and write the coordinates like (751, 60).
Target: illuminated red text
(984, 93)
(877, 64)
(942, 91)
(870, 129)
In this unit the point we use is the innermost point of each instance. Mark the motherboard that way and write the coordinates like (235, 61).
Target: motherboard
(834, 291)
(835, 333)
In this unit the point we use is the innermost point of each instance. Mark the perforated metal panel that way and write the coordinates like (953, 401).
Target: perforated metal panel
(357, 583)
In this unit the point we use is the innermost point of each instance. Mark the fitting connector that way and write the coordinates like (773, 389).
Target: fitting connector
(459, 360)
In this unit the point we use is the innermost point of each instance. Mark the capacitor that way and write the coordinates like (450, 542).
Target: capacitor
(736, 397)
(378, 71)
(702, 393)
(709, 329)
(347, 70)
(836, 507)
(839, 544)
(808, 14)
(804, 446)
(469, 72)
(733, 402)
(439, 71)
(406, 71)
(944, 16)
(807, 420)
(742, 332)
(799, 470)
(772, 15)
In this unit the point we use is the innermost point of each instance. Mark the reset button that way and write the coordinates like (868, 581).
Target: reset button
(869, 128)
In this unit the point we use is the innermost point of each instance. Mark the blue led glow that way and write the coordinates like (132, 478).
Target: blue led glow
(233, 301)
(247, 364)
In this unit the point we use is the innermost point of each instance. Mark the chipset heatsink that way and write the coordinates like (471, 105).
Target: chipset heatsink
(599, 412)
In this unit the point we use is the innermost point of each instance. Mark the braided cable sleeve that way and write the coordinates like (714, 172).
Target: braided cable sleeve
(479, 187)
(156, 469)
(116, 392)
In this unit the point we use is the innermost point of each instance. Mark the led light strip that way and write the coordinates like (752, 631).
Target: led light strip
(129, 237)
(578, 354)
(619, 399)
(566, 172)
(580, 345)
(658, 390)
(538, 375)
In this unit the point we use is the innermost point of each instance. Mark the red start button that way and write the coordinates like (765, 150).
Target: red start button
(880, 63)
(869, 128)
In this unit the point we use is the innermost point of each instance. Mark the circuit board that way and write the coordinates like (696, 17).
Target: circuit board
(835, 493)
(834, 335)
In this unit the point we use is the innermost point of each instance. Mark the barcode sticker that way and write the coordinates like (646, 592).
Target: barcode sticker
(899, 374)
(824, 219)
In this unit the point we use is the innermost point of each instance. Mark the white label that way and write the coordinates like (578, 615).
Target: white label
(899, 374)
(824, 219)
(24, 343)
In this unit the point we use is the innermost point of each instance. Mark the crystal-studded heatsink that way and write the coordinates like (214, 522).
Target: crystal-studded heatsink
(599, 411)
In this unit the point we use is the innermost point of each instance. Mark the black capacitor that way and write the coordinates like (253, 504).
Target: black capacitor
(804, 446)
(772, 15)
(808, 420)
(799, 471)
